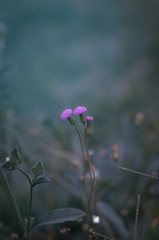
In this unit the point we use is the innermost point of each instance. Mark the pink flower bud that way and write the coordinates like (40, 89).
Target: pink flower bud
(89, 119)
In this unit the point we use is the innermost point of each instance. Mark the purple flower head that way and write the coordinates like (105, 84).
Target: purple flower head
(66, 114)
(80, 110)
(89, 119)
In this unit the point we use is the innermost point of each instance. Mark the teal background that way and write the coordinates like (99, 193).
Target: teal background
(100, 54)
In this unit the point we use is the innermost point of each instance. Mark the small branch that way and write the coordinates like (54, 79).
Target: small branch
(29, 180)
(139, 173)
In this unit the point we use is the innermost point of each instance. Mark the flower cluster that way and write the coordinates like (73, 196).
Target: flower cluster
(80, 110)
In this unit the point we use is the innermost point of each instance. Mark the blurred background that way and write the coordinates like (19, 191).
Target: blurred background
(100, 54)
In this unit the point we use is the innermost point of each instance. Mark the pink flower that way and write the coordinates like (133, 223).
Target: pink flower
(80, 110)
(66, 114)
(89, 119)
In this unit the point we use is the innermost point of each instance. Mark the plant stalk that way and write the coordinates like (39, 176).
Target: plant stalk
(84, 180)
(92, 175)
(137, 216)
(29, 211)
(84, 162)
(30, 202)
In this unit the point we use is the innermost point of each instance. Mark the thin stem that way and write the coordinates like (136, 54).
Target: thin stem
(92, 174)
(30, 201)
(139, 173)
(20, 170)
(137, 216)
(100, 235)
(13, 199)
(84, 162)
(89, 162)
(29, 210)
(84, 180)
(80, 141)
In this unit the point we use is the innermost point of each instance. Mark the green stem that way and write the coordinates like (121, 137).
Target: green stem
(30, 201)
(29, 210)
(20, 170)
(13, 199)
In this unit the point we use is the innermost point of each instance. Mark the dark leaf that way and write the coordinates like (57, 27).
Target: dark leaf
(11, 162)
(59, 216)
(38, 168)
(7, 166)
(14, 157)
(40, 180)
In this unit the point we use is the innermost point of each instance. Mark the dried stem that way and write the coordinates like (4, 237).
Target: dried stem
(92, 174)
(139, 173)
(137, 216)
(100, 235)
(84, 162)
(84, 180)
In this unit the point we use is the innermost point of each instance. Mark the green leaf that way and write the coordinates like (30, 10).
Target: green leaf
(7, 166)
(14, 157)
(38, 168)
(11, 162)
(59, 216)
(40, 180)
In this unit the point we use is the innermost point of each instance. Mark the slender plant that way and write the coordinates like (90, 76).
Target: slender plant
(66, 114)
(55, 216)
(88, 168)
(12, 163)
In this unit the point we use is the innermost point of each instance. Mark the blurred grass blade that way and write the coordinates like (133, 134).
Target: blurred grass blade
(108, 212)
